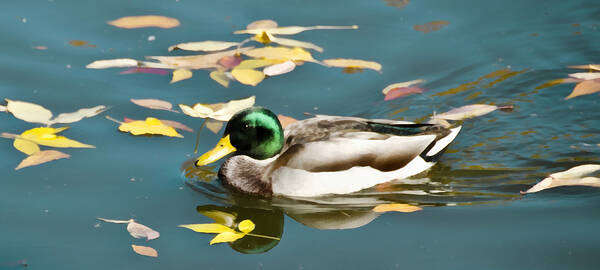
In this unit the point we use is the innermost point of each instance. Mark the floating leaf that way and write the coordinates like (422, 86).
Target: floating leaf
(115, 220)
(400, 85)
(150, 126)
(585, 88)
(219, 217)
(41, 157)
(397, 207)
(145, 21)
(246, 226)
(285, 120)
(585, 75)
(176, 125)
(220, 77)
(248, 76)
(158, 71)
(468, 111)
(219, 111)
(66, 118)
(291, 30)
(281, 53)
(430, 26)
(180, 75)
(267, 38)
(77, 43)
(141, 231)
(47, 136)
(230, 61)
(352, 63)
(279, 69)
(571, 177)
(203, 61)
(256, 63)
(208, 228)
(146, 251)
(262, 24)
(402, 92)
(155, 104)
(28, 112)
(2, 108)
(111, 63)
(206, 46)
(588, 66)
(26, 146)
(214, 126)
(225, 237)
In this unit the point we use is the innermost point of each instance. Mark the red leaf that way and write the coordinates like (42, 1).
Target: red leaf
(403, 91)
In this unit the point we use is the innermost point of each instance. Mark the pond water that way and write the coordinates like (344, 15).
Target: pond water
(473, 217)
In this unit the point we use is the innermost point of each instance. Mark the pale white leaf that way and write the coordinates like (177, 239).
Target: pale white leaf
(586, 75)
(464, 112)
(578, 171)
(29, 112)
(262, 24)
(279, 69)
(115, 220)
(66, 118)
(2, 108)
(401, 85)
(112, 63)
(295, 43)
(156, 104)
(141, 231)
(207, 46)
(558, 182)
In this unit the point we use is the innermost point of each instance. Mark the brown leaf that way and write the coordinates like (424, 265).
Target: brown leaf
(430, 26)
(41, 157)
(145, 21)
(176, 125)
(155, 104)
(397, 3)
(79, 43)
(585, 88)
(146, 251)
(214, 125)
(285, 120)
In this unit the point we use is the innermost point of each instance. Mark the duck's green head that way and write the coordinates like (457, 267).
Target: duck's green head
(254, 132)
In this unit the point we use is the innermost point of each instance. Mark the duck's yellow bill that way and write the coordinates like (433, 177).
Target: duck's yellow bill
(222, 149)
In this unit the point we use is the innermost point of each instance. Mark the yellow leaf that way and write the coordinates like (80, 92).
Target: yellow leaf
(398, 207)
(145, 21)
(585, 88)
(146, 251)
(352, 63)
(246, 226)
(150, 126)
(207, 46)
(47, 136)
(248, 76)
(226, 237)
(111, 63)
(264, 38)
(219, 111)
(219, 217)
(291, 30)
(26, 146)
(220, 77)
(28, 112)
(281, 53)
(208, 228)
(180, 75)
(41, 157)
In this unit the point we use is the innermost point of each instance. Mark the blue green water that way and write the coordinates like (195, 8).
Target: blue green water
(473, 217)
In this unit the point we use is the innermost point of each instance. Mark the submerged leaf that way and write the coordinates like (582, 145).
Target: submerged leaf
(66, 118)
(41, 157)
(225, 237)
(219, 111)
(397, 207)
(220, 77)
(146, 251)
(585, 88)
(47, 136)
(246, 226)
(219, 217)
(155, 104)
(141, 231)
(278, 69)
(352, 63)
(468, 111)
(111, 63)
(28, 112)
(26, 146)
(150, 126)
(208, 228)
(176, 125)
(206, 46)
(145, 21)
(158, 71)
(180, 75)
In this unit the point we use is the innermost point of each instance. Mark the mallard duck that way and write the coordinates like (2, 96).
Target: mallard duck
(324, 154)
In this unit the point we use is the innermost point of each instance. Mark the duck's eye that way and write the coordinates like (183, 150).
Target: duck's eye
(245, 127)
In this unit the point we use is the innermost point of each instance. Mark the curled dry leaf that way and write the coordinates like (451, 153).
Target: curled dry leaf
(291, 30)
(214, 126)
(47, 136)
(430, 26)
(588, 66)
(146, 251)
(585, 75)
(262, 24)
(41, 157)
(281, 53)
(28, 112)
(285, 120)
(155, 104)
(141, 231)
(397, 207)
(278, 69)
(585, 88)
(352, 63)
(145, 21)
(66, 118)
(571, 177)
(468, 111)
(181, 74)
(219, 111)
(206, 46)
(150, 126)
(220, 77)
(112, 63)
